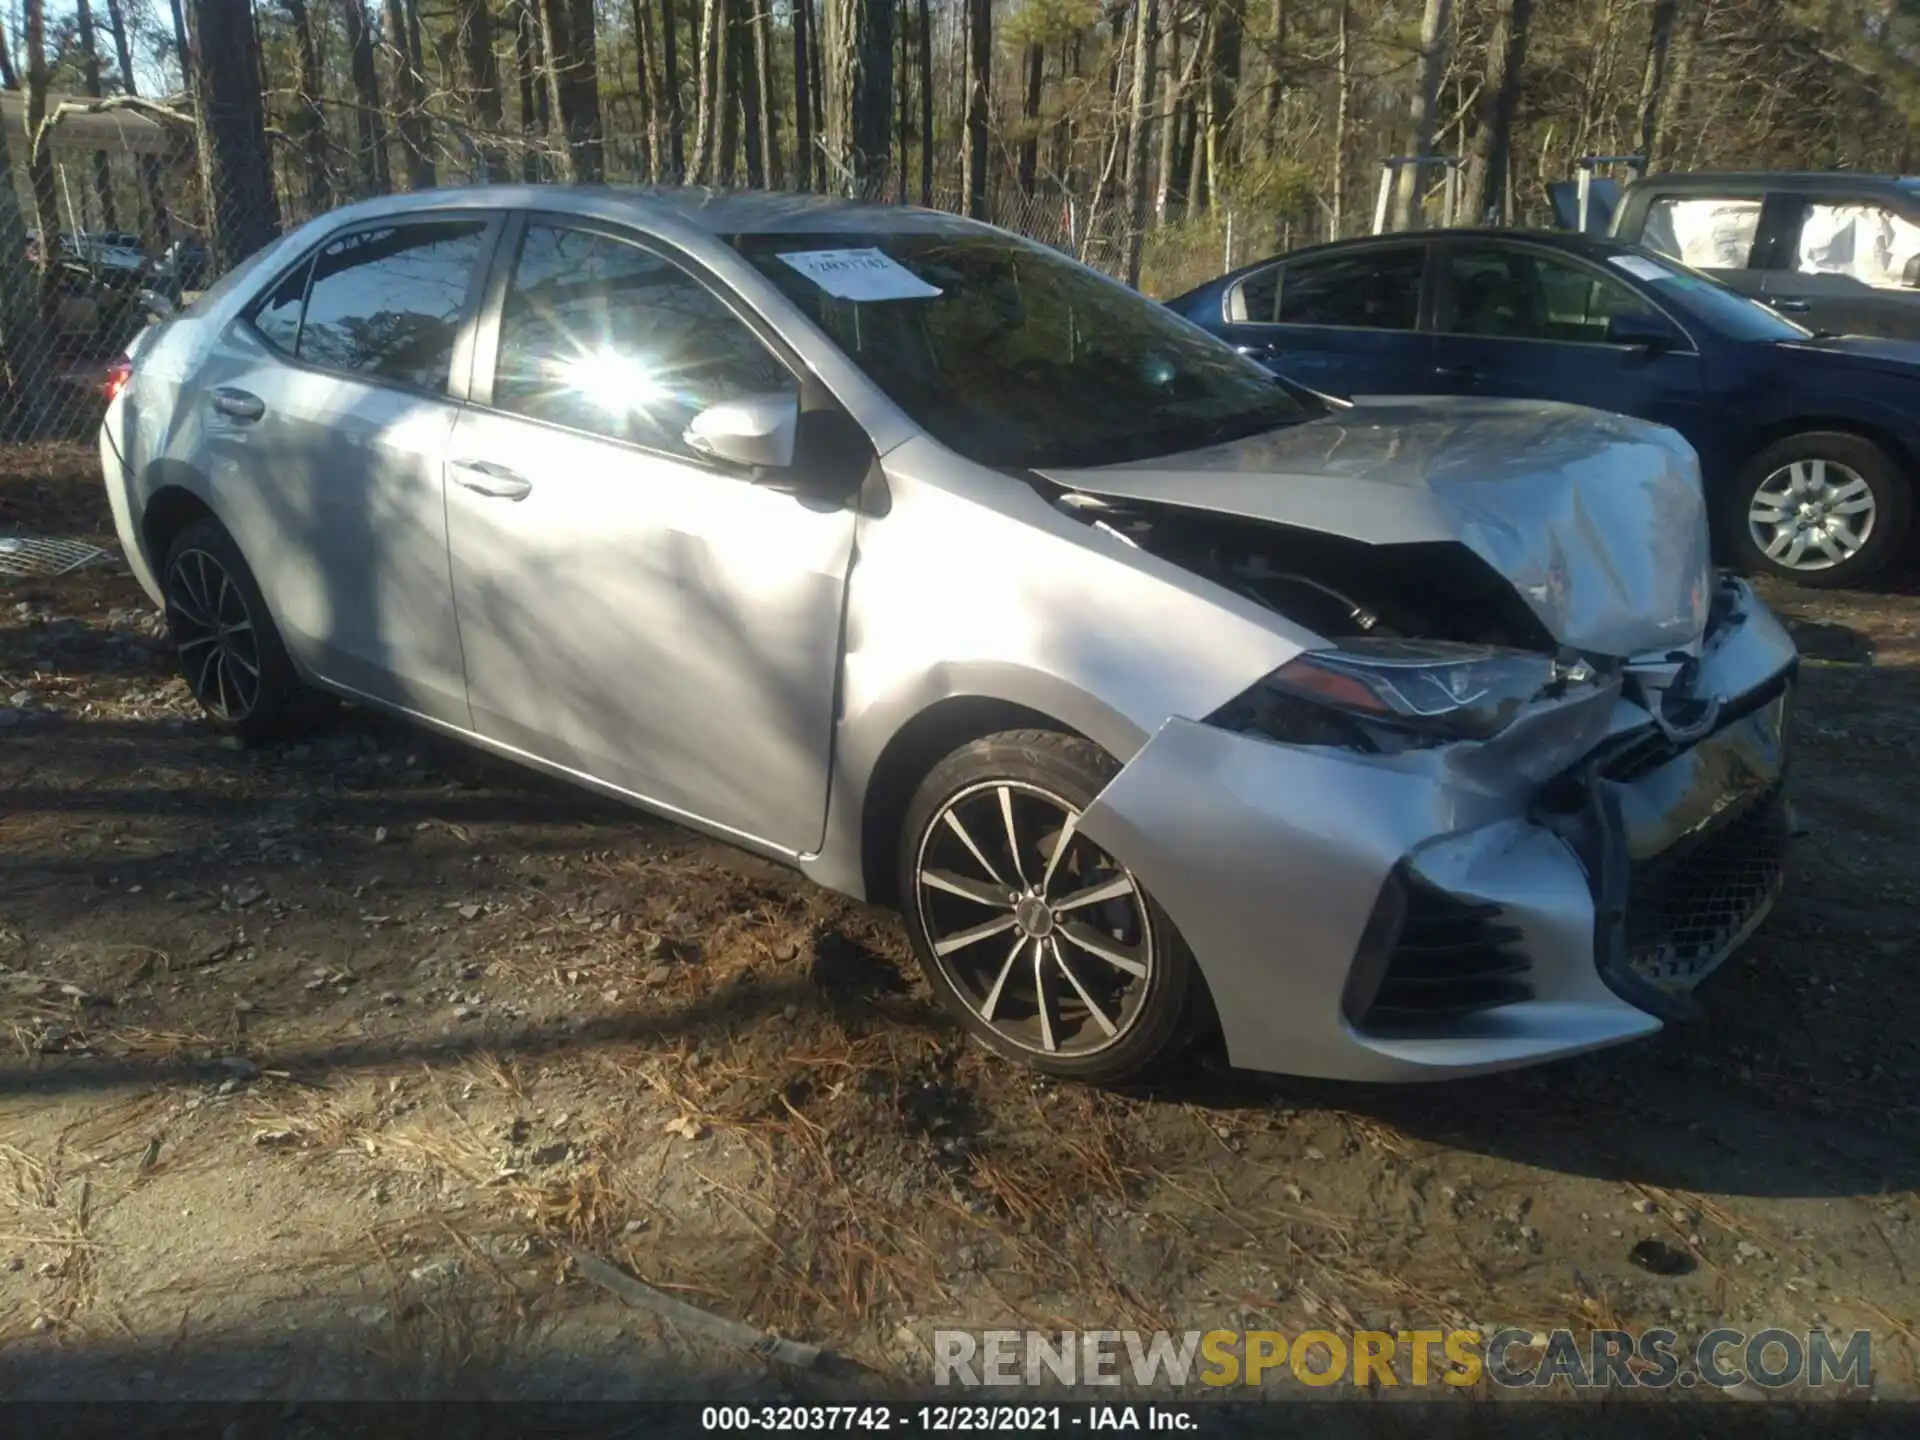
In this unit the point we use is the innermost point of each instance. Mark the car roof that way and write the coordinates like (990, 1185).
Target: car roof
(715, 211)
(1594, 247)
(1810, 181)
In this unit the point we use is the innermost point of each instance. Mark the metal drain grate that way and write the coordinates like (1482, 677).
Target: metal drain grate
(28, 555)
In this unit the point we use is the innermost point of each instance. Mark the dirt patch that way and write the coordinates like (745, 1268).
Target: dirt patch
(319, 1057)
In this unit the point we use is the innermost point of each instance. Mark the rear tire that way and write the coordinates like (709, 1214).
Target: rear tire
(228, 648)
(1043, 946)
(1821, 509)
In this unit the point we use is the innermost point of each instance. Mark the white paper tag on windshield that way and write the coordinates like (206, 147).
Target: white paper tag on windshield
(1641, 268)
(868, 274)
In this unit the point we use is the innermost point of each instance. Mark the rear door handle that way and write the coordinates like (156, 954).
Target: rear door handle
(1788, 305)
(1470, 374)
(238, 403)
(485, 478)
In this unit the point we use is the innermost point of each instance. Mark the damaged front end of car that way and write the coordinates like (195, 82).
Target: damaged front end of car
(1461, 837)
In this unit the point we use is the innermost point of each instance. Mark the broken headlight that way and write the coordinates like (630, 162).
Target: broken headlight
(1411, 689)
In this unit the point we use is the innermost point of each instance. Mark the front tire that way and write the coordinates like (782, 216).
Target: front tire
(1822, 509)
(229, 651)
(1045, 947)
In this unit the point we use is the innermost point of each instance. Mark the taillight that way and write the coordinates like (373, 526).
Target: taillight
(118, 374)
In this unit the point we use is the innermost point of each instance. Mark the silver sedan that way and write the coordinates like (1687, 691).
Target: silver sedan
(1397, 740)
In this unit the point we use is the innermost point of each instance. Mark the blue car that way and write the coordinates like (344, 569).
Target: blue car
(1809, 444)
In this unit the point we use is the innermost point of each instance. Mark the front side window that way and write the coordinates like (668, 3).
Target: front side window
(1868, 243)
(1526, 295)
(1015, 356)
(276, 315)
(603, 336)
(1369, 290)
(1705, 232)
(388, 303)
(1258, 296)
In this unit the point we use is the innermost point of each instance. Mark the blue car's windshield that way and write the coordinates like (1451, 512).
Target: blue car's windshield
(1727, 311)
(1015, 356)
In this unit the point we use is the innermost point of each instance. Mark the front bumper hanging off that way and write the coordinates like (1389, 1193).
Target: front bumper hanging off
(1469, 909)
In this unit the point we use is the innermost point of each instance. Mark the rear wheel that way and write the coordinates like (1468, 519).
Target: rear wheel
(1046, 947)
(229, 651)
(1821, 509)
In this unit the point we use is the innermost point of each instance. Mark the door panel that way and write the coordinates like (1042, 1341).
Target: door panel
(1509, 321)
(1841, 266)
(1345, 323)
(628, 610)
(328, 415)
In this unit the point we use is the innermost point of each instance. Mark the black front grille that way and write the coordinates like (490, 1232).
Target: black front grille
(1687, 907)
(1453, 957)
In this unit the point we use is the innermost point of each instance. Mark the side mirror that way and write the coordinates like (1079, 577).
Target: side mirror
(1640, 330)
(1910, 277)
(755, 430)
(158, 306)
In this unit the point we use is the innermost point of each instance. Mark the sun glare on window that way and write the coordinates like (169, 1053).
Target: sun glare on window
(617, 384)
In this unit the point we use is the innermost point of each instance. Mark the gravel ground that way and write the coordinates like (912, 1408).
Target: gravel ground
(316, 1061)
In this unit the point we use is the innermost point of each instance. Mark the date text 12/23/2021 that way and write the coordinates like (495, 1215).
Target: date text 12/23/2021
(946, 1419)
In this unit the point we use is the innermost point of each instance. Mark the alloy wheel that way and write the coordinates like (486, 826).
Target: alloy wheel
(1812, 514)
(1043, 935)
(214, 634)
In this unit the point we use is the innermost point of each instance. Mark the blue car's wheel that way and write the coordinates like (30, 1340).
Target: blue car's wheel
(1820, 509)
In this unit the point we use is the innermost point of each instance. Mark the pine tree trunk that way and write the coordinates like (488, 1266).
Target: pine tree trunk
(1030, 114)
(704, 144)
(1199, 122)
(1146, 40)
(1653, 83)
(802, 98)
(1408, 182)
(769, 96)
(370, 125)
(1223, 103)
(90, 79)
(1488, 157)
(182, 43)
(10, 78)
(154, 224)
(483, 74)
(1343, 113)
(859, 85)
(526, 65)
(308, 121)
(673, 112)
(926, 105)
(746, 83)
(979, 79)
(409, 87)
(1276, 75)
(231, 111)
(727, 95)
(46, 194)
(1170, 127)
(1673, 105)
(582, 116)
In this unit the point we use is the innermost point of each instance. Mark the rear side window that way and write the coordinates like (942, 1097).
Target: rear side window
(386, 303)
(1369, 290)
(1703, 231)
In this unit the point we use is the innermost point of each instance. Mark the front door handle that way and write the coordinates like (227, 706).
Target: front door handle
(485, 478)
(1788, 305)
(1465, 374)
(238, 403)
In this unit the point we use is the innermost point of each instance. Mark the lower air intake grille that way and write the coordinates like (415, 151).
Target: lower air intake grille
(1453, 957)
(1687, 908)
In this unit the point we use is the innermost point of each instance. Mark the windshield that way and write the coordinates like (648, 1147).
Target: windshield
(1727, 311)
(1015, 356)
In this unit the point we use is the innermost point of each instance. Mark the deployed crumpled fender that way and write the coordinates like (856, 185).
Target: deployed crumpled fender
(1598, 521)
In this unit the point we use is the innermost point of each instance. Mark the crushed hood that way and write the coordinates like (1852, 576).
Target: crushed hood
(1598, 521)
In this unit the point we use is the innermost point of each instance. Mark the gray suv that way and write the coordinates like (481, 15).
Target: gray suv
(1833, 251)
